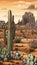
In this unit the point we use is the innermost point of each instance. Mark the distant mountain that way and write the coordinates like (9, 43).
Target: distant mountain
(28, 19)
(31, 6)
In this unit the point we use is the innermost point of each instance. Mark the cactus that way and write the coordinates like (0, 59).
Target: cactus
(10, 30)
(17, 40)
(5, 54)
(4, 34)
(31, 60)
(0, 47)
(13, 27)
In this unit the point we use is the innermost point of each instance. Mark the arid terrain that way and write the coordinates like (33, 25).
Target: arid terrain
(26, 36)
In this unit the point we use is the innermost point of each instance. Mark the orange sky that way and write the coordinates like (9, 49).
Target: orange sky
(17, 7)
(19, 0)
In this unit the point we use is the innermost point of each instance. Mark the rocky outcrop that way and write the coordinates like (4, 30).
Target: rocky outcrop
(1, 23)
(28, 19)
(33, 44)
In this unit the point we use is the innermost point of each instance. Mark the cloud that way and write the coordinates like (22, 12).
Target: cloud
(4, 9)
(20, 4)
(32, 6)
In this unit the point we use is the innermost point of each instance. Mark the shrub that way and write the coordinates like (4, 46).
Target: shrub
(21, 30)
(17, 40)
(32, 49)
(16, 49)
(17, 63)
(16, 45)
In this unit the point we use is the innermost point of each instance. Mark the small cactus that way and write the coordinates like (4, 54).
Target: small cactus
(31, 60)
(4, 34)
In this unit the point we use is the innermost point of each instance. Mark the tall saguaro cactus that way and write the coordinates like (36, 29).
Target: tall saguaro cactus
(11, 34)
(10, 30)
